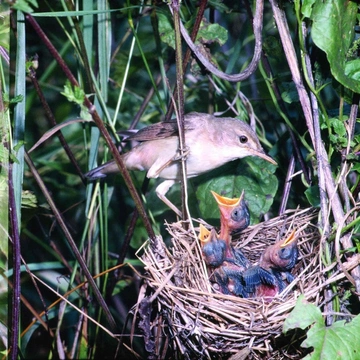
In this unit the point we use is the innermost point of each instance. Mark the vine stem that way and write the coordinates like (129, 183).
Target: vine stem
(246, 73)
(175, 6)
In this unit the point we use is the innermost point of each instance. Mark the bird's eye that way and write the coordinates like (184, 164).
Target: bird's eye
(235, 215)
(243, 139)
(285, 253)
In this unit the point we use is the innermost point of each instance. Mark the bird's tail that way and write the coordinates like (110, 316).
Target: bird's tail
(102, 171)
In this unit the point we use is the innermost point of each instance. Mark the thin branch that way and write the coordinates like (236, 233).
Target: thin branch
(203, 58)
(194, 31)
(16, 263)
(50, 116)
(323, 161)
(287, 185)
(318, 141)
(174, 6)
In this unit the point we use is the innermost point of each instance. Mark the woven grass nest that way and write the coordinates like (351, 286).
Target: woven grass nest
(180, 310)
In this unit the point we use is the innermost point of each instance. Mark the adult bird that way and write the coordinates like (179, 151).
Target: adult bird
(211, 141)
(273, 273)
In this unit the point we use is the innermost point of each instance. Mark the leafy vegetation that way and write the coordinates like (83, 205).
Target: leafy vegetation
(79, 71)
(335, 341)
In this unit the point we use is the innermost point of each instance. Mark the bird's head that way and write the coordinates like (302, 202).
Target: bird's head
(281, 255)
(238, 139)
(234, 214)
(213, 248)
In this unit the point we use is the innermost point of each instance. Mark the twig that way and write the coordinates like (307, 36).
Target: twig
(318, 141)
(16, 262)
(287, 185)
(198, 50)
(174, 5)
(195, 30)
(50, 116)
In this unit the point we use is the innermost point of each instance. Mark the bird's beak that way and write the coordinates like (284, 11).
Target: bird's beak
(261, 155)
(290, 239)
(227, 202)
(204, 235)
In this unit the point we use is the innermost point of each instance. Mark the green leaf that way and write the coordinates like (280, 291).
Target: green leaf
(73, 94)
(16, 99)
(338, 126)
(338, 341)
(333, 32)
(306, 7)
(273, 48)
(28, 199)
(290, 95)
(220, 6)
(25, 5)
(352, 69)
(254, 175)
(209, 33)
(166, 30)
(313, 195)
(303, 315)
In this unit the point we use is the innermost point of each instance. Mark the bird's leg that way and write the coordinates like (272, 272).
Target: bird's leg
(155, 171)
(180, 156)
(161, 191)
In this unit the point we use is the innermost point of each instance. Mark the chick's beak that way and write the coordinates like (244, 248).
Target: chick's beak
(226, 202)
(291, 239)
(204, 234)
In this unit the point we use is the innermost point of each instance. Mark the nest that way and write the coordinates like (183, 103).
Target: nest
(181, 312)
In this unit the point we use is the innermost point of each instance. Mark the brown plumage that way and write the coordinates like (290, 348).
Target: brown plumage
(212, 142)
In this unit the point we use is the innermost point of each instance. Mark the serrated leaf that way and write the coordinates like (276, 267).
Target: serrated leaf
(209, 33)
(333, 32)
(73, 94)
(251, 174)
(16, 99)
(28, 199)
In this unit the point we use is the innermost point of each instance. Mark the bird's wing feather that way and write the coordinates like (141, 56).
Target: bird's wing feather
(267, 277)
(158, 131)
(251, 276)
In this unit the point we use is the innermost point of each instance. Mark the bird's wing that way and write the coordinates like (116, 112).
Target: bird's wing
(267, 277)
(157, 131)
(240, 259)
(251, 276)
(256, 275)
